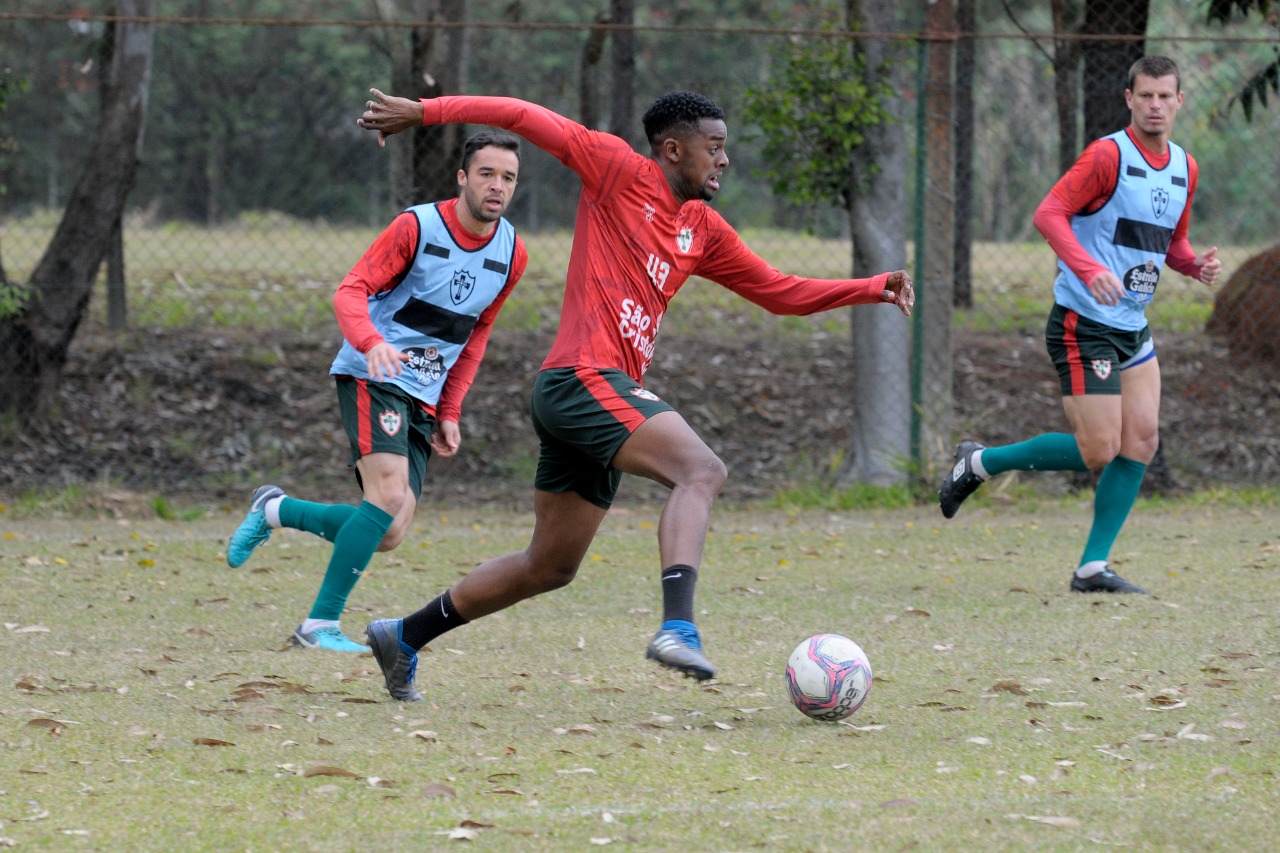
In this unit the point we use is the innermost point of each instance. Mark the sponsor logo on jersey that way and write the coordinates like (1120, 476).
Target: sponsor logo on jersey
(461, 286)
(1141, 280)
(685, 240)
(1159, 200)
(649, 212)
(425, 364)
(645, 395)
(1101, 368)
(390, 422)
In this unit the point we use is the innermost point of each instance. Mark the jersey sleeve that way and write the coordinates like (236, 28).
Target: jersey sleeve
(733, 265)
(1181, 257)
(383, 266)
(546, 129)
(600, 159)
(1084, 188)
(463, 373)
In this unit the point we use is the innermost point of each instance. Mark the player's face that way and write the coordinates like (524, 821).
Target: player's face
(487, 187)
(702, 161)
(1154, 102)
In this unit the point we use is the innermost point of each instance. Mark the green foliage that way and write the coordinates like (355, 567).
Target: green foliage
(13, 297)
(814, 112)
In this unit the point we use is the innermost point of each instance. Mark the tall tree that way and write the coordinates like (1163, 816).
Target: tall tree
(830, 116)
(34, 341)
(1107, 60)
(622, 106)
(429, 46)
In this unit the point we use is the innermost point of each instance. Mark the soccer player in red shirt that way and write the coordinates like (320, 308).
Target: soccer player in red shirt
(643, 228)
(1115, 219)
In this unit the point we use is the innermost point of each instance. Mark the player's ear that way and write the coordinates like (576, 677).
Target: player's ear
(462, 178)
(671, 149)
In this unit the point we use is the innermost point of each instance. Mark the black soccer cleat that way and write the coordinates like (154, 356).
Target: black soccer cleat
(960, 481)
(1105, 581)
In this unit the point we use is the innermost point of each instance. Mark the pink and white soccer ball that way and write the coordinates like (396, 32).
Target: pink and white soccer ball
(828, 677)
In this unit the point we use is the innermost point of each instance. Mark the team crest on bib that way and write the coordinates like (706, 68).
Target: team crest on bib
(1102, 368)
(390, 422)
(685, 240)
(461, 286)
(645, 395)
(1159, 200)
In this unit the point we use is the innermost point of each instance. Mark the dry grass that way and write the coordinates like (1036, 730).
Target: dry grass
(152, 702)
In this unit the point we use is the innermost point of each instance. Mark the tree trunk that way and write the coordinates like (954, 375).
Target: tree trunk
(1066, 89)
(429, 63)
(622, 114)
(878, 222)
(589, 71)
(935, 297)
(34, 343)
(1107, 61)
(966, 49)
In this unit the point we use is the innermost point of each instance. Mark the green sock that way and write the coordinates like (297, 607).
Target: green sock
(1117, 490)
(353, 548)
(1050, 451)
(321, 519)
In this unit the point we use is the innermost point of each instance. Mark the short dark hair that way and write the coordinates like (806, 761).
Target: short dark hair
(487, 139)
(1155, 66)
(679, 112)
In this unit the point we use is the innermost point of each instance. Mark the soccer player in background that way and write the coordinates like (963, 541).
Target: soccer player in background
(415, 313)
(643, 228)
(1118, 216)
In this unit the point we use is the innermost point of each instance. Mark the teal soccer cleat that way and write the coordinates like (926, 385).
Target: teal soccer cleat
(254, 530)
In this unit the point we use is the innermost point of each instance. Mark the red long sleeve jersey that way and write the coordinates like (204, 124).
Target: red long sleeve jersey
(635, 245)
(385, 264)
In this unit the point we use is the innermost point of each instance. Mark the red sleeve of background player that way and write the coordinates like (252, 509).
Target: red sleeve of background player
(1086, 186)
(382, 267)
(1181, 257)
(463, 372)
(732, 264)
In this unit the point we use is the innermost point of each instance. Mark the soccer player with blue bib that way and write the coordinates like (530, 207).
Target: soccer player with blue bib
(415, 313)
(1115, 219)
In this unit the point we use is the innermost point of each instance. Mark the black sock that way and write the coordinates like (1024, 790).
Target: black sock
(431, 621)
(677, 592)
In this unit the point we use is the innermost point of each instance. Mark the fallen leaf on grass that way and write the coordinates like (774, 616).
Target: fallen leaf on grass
(1048, 820)
(1009, 686)
(328, 770)
(53, 726)
(439, 789)
(211, 741)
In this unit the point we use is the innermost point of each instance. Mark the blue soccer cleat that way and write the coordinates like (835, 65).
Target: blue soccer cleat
(329, 638)
(677, 646)
(397, 661)
(254, 530)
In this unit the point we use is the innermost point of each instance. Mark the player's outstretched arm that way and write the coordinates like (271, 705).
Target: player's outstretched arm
(388, 114)
(899, 290)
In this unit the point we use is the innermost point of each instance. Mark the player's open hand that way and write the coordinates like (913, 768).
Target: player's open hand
(384, 361)
(388, 114)
(899, 291)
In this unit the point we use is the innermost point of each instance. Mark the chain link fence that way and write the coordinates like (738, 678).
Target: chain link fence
(257, 193)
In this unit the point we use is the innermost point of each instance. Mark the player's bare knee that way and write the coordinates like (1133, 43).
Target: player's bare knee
(554, 576)
(708, 476)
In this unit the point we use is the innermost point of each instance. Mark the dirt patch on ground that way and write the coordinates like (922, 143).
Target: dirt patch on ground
(204, 416)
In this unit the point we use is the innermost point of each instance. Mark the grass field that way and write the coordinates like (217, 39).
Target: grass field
(152, 702)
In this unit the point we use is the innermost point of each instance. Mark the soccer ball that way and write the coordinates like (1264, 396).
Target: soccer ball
(828, 677)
